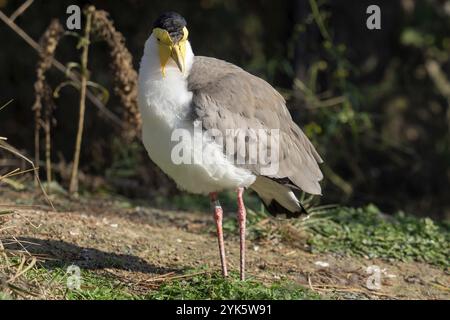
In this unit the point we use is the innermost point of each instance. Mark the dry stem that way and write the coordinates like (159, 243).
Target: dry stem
(59, 66)
(84, 80)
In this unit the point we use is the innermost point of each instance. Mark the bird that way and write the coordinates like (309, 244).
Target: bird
(182, 96)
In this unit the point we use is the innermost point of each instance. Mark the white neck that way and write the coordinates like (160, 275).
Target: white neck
(163, 96)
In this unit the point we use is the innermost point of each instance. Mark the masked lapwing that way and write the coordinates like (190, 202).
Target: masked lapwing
(195, 111)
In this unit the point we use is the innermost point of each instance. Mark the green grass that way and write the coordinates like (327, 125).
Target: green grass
(365, 232)
(215, 287)
(94, 286)
(206, 286)
(4, 296)
(359, 232)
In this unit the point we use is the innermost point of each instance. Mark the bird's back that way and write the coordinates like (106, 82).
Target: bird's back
(227, 97)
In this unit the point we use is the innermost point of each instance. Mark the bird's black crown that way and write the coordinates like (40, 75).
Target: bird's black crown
(173, 23)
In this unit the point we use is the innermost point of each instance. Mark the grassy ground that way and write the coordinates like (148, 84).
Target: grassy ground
(133, 251)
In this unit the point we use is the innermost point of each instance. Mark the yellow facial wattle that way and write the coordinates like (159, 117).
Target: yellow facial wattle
(168, 49)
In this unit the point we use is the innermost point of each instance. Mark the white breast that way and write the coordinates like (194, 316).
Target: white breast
(164, 103)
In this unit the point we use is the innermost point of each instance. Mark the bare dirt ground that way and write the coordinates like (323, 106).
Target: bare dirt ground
(137, 244)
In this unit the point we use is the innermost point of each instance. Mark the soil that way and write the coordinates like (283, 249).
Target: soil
(138, 243)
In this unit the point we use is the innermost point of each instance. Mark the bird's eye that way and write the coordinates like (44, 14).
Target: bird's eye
(159, 40)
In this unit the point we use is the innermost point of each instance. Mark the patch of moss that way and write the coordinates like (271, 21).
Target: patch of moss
(366, 232)
(215, 287)
(93, 286)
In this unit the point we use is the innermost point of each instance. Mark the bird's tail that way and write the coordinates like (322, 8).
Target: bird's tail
(278, 198)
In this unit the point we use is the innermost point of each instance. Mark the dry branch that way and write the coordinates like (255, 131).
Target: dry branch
(59, 66)
(9, 148)
(21, 10)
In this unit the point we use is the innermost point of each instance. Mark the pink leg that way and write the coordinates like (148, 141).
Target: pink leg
(218, 217)
(242, 216)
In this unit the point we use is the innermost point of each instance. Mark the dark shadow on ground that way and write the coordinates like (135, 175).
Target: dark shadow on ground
(60, 254)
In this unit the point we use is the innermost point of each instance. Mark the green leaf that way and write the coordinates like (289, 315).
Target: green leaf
(70, 66)
(101, 89)
(65, 84)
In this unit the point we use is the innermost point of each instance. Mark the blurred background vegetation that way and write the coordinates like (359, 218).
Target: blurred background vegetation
(375, 103)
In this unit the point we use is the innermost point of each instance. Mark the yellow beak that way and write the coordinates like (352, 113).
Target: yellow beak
(178, 55)
(177, 52)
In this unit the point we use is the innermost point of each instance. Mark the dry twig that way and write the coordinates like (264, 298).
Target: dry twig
(59, 66)
(21, 10)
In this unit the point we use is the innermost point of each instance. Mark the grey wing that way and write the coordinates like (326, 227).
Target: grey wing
(227, 97)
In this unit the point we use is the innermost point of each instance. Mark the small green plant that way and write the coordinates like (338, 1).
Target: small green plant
(84, 42)
(84, 45)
